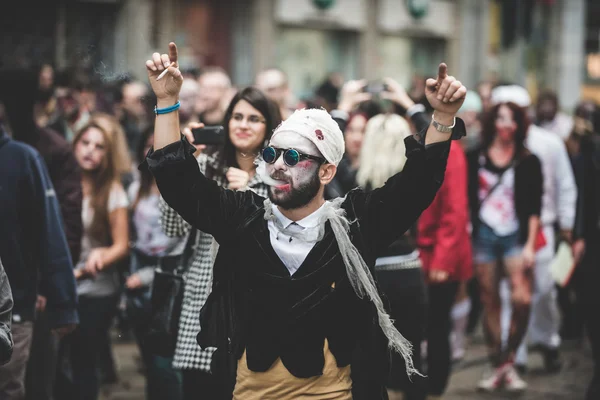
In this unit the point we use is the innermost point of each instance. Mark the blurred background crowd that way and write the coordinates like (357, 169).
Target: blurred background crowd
(73, 87)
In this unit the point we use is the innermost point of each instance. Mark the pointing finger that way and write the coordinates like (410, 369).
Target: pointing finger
(442, 72)
(173, 52)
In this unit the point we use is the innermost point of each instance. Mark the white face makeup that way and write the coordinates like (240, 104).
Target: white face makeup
(90, 149)
(294, 186)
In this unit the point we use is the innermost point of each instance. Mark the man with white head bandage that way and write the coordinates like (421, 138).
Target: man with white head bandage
(295, 311)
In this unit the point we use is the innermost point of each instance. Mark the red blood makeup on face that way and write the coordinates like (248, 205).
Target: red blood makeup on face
(303, 164)
(284, 188)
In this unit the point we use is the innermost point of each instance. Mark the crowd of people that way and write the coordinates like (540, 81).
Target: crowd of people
(87, 223)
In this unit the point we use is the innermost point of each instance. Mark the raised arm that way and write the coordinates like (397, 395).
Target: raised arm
(200, 201)
(416, 112)
(166, 89)
(392, 209)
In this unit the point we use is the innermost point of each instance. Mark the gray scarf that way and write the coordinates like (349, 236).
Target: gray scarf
(358, 272)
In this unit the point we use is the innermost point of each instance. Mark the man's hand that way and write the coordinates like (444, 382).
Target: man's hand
(40, 304)
(187, 132)
(396, 93)
(528, 256)
(445, 94)
(438, 276)
(95, 262)
(352, 95)
(63, 331)
(578, 249)
(237, 178)
(167, 89)
(133, 282)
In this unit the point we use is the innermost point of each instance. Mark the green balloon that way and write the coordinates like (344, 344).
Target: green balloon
(323, 4)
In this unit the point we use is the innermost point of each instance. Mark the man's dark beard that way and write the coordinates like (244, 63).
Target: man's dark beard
(300, 197)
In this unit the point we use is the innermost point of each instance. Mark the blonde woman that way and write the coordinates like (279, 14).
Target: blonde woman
(398, 269)
(104, 243)
(122, 155)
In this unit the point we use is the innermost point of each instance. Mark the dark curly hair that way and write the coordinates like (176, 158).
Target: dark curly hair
(519, 115)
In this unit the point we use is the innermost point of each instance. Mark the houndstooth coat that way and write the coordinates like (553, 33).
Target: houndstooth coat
(198, 277)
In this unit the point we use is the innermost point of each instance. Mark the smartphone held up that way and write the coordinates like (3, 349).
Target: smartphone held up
(209, 135)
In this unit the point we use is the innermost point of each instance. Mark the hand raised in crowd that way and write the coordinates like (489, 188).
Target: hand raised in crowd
(352, 94)
(169, 86)
(445, 94)
(187, 132)
(396, 93)
(237, 178)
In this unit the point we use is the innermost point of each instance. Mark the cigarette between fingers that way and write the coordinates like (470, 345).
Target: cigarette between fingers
(162, 74)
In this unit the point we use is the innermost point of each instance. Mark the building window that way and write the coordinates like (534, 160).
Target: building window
(404, 58)
(308, 56)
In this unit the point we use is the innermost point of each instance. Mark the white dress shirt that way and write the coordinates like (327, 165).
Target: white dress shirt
(560, 190)
(292, 250)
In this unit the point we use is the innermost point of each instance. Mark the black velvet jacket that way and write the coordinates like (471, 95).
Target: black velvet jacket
(257, 306)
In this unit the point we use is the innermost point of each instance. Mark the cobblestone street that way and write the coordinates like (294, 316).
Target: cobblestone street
(569, 384)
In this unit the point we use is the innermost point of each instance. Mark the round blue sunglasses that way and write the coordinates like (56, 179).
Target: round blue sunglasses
(291, 157)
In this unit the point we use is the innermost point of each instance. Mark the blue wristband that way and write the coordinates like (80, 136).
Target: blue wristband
(167, 110)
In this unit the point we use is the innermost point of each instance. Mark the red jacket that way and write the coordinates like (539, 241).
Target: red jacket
(442, 231)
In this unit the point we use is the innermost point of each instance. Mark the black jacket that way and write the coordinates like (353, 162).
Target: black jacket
(274, 315)
(33, 246)
(66, 179)
(528, 190)
(6, 305)
(586, 166)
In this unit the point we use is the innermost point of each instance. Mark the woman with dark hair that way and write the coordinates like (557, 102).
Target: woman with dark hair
(249, 122)
(505, 192)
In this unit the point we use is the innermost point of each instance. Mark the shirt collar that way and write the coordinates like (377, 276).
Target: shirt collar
(310, 221)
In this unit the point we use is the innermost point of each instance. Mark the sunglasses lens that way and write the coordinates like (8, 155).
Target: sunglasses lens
(291, 157)
(269, 155)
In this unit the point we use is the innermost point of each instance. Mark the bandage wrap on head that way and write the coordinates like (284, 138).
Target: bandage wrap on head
(511, 94)
(317, 126)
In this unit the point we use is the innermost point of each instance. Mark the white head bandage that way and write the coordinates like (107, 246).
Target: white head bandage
(317, 126)
(511, 94)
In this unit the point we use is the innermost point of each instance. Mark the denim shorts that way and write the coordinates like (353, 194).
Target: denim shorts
(489, 247)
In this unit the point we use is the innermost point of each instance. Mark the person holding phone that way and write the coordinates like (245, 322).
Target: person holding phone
(226, 154)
